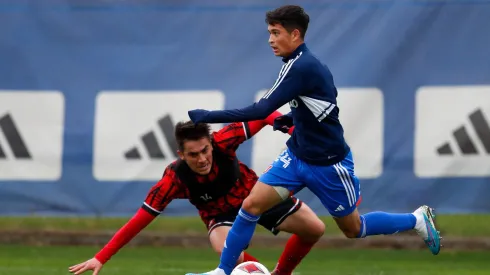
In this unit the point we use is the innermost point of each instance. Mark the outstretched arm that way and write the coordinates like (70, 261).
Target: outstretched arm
(257, 125)
(234, 134)
(287, 87)
(139, 221)
(160, 195)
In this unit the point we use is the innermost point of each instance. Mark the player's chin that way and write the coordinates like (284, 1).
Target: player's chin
(204, 171)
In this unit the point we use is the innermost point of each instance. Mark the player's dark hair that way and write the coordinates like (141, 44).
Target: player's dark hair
(189, 131)
(290, 17)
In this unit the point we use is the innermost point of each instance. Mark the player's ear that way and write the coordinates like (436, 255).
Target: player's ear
(296, 34)
(181, 155)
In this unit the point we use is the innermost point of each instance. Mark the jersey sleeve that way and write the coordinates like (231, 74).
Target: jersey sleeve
(288, 86)
(160, 195)
(228, 138)
(231, 136)
(124, 235)
(164, 191)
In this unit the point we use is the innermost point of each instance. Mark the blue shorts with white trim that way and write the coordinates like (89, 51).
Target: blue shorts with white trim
(336, 185)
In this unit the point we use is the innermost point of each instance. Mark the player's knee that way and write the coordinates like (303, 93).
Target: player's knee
(252, 206)
(218, 249)
(315, 231)
(318, 229)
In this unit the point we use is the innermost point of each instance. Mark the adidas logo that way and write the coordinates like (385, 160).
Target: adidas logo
(339, 208)
(150, 142)
(463, 140)
(13, 139)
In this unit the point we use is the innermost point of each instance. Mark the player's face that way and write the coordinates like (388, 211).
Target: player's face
(198, 154)
(282, 42)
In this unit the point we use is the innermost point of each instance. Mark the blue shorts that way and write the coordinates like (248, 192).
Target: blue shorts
(336, 185)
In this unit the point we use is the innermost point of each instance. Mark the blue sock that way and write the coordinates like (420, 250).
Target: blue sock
(378, 223)
(238, 238)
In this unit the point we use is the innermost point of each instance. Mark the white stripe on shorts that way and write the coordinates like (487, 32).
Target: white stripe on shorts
(345, 178)
(287, 214)
(349, 183)
(219, 224)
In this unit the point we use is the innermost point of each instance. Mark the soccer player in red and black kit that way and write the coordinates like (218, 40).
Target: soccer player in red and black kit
(211, 177)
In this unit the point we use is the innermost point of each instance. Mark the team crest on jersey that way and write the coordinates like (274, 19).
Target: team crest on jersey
(206, 197)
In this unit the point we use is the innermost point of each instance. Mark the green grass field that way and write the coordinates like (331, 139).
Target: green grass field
(27, 260)
(21, 260)
(450, 225)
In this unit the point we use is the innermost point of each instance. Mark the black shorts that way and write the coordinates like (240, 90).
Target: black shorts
(270, 219)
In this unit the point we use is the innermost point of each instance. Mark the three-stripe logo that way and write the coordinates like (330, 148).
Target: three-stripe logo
(31, 135)
(452, 131)
(13, 138)
(150, 142)
(463, 140)
(134, 131)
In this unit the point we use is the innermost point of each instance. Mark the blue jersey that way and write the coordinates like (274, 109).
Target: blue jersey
(308, 86)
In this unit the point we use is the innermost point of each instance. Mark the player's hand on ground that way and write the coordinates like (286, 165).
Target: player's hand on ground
(92, 264)
(197, 115)
(283, 123)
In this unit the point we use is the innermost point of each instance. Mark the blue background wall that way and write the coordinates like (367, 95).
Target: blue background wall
(83, 47)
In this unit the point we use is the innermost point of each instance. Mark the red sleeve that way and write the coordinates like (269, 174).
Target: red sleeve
(164, 191)
(137, 223)
(234, 134)
(160, 195)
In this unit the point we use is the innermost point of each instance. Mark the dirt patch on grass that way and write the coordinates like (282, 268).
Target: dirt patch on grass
(406, 241)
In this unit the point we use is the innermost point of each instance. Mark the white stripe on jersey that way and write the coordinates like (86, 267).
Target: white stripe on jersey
(279, 76)
(152, 209)
(284, 70)
(320, 108)
(245, 130)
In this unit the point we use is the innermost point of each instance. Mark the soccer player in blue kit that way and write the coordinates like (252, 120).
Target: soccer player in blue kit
(317, 156)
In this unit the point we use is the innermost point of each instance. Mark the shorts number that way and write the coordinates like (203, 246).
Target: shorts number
(284, 158)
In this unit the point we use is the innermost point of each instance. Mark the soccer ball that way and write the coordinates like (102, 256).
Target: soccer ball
(250, 268)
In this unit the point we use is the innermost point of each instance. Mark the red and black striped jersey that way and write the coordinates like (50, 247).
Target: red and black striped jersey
(171, 187)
